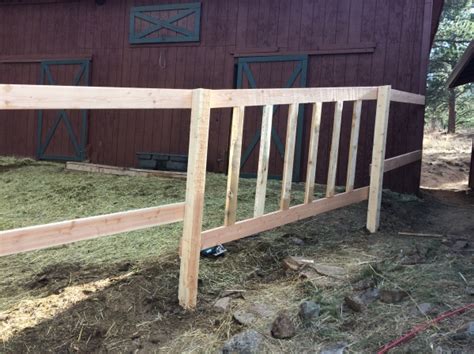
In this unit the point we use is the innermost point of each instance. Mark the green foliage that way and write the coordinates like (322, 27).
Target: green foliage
(456, 30)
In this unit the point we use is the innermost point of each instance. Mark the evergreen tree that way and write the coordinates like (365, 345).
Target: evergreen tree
(450, 107)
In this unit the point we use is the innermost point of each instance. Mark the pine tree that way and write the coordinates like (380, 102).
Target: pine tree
(450, 107)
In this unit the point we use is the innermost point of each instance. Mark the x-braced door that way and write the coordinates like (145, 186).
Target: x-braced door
(283, 71)
(62, 135)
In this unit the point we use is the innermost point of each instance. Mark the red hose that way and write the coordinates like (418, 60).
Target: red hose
(417, 329)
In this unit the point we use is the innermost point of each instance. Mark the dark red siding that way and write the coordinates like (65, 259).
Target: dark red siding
(400, 31)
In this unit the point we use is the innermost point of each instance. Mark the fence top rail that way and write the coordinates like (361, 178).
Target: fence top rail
(27, 97)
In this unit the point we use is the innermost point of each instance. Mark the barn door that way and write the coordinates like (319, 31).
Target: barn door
(284, 71)
(62, 135)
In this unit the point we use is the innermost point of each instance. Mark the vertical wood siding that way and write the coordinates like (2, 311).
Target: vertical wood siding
(400, 30)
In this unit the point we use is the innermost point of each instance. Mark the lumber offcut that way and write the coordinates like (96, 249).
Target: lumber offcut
(121, 171)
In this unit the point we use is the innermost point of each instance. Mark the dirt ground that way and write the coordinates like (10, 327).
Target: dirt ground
(119, 293)
(446, 160)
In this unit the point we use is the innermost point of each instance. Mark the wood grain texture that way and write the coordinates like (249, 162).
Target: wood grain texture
(64, 232)
(402, 160)
(195, 187)
(263, 158)
(289, 157)
(20, 97)
(378, 157)
(353, 145)
(313, 152)
(275, 219)
(233, 173)
(334, 152)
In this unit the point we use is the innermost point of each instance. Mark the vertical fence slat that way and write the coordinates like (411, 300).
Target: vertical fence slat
(264, 155)
(378, 156)
(336, 134)
(235, 152)
(313, 152)
(354, 143)
(195, 186)
(289, 156)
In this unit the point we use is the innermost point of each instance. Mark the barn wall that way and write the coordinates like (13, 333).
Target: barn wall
(400, 30)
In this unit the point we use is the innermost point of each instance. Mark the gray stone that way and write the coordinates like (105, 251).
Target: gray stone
(470, 290)
(460, 244)
(297, 241)
(283, 327)
(244, 317)
(392, 296)
(309, 311)
(262, 310)
(337, 348)
(370, 295)
(424, 309)
(470, 329)
(222, 304)
(248, 341)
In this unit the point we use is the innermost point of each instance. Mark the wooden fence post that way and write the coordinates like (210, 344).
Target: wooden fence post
(313, 152)
(234, 165)
(289, 157)
(195, 186)
(378, 156)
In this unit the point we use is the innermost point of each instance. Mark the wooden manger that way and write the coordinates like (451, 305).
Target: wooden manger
(201, 101)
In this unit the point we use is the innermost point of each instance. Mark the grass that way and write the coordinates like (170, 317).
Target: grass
(118, 293)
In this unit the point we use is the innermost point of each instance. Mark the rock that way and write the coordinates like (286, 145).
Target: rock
(243, 317)
(392, 296)
(470, 329)
(296, 263)
(309, 311)
(460, 244)
(262, 310)
(223, 304)
(337, 348)
(363, 284)
(424, 308)
(370, 295)
(283, 327)
(470, 290)
(234, 293)
(355, 303)
(248, 341)
(297, 241)
(329, 270)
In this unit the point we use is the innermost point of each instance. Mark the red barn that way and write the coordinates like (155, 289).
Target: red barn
(213, 44)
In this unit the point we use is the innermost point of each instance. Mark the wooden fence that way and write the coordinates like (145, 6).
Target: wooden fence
(201, 101)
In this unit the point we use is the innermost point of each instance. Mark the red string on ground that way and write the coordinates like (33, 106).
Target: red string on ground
(417, 329)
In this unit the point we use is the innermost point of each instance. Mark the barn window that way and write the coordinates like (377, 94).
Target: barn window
(165, 23)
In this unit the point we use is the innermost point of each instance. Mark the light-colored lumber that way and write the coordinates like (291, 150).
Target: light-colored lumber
(378, 157)
(261, 97)
(195, 186)
(289, 157)
(407, 97)
(353, 144)
(121, 171)
(402, 160)
(64, 232)
(233, 174)
(275, 219)
(313, 152)
(417, 234)
(333, 155)
(263, 159)
(78, 97)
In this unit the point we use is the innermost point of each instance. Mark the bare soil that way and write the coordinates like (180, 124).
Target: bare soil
(133, 308)
(62, 300)
(446, 160)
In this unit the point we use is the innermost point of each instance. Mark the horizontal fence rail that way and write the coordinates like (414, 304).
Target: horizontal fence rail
(63, 232)
(201, 102)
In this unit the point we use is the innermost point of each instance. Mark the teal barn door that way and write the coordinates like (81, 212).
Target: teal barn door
(62, 135)
(281, 71)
